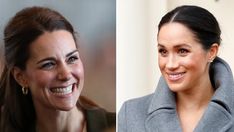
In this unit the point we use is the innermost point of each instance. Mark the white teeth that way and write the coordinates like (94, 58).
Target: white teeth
(62, 91)
(175, 76)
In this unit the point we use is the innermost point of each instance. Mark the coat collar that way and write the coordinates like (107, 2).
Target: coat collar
(162, 116)
(224, 84)
(166, 98)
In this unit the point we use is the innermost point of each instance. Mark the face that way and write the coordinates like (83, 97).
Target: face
(182, 60)
(54, 72)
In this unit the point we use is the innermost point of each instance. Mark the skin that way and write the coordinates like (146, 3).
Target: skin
(54, 62)
(185, 66)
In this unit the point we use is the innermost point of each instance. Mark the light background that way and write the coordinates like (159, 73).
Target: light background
(137, 20)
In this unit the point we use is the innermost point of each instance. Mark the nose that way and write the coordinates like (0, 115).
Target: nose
(64, 72)
(172, 63)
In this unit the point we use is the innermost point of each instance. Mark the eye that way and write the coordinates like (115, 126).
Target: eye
(183, 52)
(163, 52)
(47, 65)
(72, 59)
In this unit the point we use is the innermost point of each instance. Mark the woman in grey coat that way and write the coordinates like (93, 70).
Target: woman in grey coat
(196, 90)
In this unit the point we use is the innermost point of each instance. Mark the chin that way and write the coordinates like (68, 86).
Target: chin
(176, 87)
(66, 108)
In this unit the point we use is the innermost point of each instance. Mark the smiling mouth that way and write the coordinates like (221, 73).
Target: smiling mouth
(175, 76)
(62, 91)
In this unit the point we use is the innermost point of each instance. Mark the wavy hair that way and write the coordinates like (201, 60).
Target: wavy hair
(17, 110)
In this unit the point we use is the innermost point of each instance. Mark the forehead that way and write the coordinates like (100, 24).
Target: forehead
(52, 44)
(175, 33)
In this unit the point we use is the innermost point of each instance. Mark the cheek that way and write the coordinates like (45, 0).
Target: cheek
(78, 71)
(193, 62)
(162, 62)
(188, 63)
(40, 79)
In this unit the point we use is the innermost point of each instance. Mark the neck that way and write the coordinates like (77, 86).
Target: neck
(59, 121)
(196, 98)
(191, 104)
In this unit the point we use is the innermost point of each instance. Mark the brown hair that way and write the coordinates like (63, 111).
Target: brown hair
(17, 110)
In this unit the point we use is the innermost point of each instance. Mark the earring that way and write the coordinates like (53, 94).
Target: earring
(25, 90)
(211, 60)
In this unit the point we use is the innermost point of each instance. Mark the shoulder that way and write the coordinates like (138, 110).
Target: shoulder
(100, 115)
(133, 114)
(97, 118)
(140, 104)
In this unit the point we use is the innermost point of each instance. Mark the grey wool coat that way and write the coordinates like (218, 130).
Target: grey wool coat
(157, 112)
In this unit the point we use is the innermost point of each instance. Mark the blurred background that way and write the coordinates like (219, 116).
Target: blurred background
(137, 20)
(95, 21)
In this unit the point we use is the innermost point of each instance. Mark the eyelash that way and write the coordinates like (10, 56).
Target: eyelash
(182, 52)
(50, 65)
(162, 52)
(72, 59)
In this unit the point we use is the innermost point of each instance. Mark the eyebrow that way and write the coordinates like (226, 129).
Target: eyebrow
(69, 54)
(160, 45)
(177, 46)
(52, 58)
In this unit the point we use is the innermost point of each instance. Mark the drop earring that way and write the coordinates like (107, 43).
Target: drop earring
(25, 90)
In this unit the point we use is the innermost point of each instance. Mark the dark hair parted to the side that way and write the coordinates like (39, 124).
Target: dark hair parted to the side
(17, 110)
(199, 20)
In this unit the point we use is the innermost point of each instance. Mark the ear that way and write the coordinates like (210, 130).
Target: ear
(19, 76)
(213, 51)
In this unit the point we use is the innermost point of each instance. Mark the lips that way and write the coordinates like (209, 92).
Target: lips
(175, 76)
(62, 90)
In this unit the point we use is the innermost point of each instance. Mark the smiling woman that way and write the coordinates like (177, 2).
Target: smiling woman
(58, 74)
(179, 53)
(43, 77)
(196, 89)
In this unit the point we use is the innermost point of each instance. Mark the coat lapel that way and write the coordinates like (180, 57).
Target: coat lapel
(162, 116)
(164, 120)
(215, 119)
